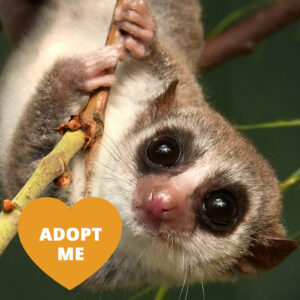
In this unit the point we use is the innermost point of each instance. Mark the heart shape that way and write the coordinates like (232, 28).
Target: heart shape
(48, 229)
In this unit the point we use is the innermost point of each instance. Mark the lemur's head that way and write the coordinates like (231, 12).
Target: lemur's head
(196, 199)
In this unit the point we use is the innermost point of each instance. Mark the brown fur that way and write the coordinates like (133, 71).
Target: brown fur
(51, 106)
(23, 11)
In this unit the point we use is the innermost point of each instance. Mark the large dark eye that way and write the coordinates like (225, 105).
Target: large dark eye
(220, 207)
(163, 151)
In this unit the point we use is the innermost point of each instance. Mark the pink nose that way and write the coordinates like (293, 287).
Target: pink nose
(163, 204)
(158, 200)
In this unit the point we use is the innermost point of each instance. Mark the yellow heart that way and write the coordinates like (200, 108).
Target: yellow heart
(69, 245)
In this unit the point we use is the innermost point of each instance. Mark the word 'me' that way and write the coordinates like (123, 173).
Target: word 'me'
(71, 234)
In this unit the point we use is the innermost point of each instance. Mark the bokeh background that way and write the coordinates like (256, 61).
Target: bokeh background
(263, 86)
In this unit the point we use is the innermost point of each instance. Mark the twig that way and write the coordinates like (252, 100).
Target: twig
(237, 15)
(275, 124)
(290, 181)
(95, 111)
(243, 37)
(49, 168)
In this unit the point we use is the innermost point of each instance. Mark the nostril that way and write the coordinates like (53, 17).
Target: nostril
(161, 205)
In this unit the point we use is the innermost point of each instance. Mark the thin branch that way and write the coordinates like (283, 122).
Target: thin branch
(237, 15)
(49, 168)
(275, 124)
(95, 111)
(290, 181)
(243, 37)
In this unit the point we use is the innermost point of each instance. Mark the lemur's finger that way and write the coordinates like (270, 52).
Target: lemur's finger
(103, 59)
(96, 67)
(136, 48)
(104, 54)
(135, 18)
(140, 7)
(97, 82)
(136, 31)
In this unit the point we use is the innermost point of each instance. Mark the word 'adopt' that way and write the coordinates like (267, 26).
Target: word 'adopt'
(71, 234)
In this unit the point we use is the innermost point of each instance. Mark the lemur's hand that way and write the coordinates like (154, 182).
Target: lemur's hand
(135, 20)
(87, 72)
(96, 67)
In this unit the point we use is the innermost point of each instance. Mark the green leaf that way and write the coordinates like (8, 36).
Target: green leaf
(142, 293)
(296, 236)
(161, 293)
(274, 124)
(291, 180)
(238, 14)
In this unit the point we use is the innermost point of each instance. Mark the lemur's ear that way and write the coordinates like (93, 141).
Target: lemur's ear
(263, 256)
(164, 101)
(16, 16)
(161, 104)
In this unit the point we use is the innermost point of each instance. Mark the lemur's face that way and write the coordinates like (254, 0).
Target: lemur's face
(198, 200)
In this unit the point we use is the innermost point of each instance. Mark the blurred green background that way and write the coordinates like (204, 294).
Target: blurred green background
(261, 87)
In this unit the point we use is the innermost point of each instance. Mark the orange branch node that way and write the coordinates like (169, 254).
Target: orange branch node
(8, 206)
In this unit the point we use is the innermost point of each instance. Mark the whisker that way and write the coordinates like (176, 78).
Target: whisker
(113, 179)
(182, 288)
(186, 293)
(119, 153)
(140, 256)
(114, 144)
(137, 261)
(203, 292)
(113, 173)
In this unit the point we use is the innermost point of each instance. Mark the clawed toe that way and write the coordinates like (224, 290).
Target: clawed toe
(98, 66)
(137, 23)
